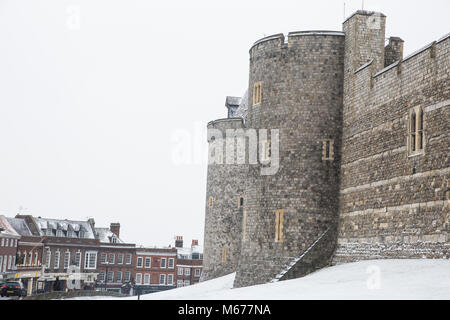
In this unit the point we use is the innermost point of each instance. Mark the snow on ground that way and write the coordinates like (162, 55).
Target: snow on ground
(378, 279)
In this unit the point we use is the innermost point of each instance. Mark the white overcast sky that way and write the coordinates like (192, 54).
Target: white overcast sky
(90, 103)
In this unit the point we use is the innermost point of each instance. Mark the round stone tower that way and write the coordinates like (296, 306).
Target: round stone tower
(295, 86)
(224, 199)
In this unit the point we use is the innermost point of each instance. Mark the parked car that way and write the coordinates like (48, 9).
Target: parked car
(12, 289)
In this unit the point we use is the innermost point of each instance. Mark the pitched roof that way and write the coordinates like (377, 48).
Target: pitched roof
(8, 229)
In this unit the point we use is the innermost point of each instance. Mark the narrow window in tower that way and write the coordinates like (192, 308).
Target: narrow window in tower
(416, 132)
(413, 131)
(241, 201)
(265, 151)
(420, 130)
(224, 255)
(327, 150)
(211, 202)
(257, 95)
(279, 219)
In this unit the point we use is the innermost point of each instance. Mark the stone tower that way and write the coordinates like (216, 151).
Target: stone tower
(224, 203)
(299, 79)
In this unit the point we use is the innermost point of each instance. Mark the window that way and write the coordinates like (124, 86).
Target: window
(7, 242)
(49, 232)
(146, 278)
(138, 278)
(66, 259)
(120, 258)
(416, 133)
(163, 262)
(327, 150)
(48, 258)
(112, 258)
(170, 279)
(25, 258)
(103, 258)
(241, 201)
(148, 262)
(224, 255)
(187, 283)
(9, 262)
(59, 233)
(162, 279)
(70, 234)
(265, 151)
(179, 283)
(119, 277)
(187, 271)
(101, 276)
(171, 263)
(81, 234)
(211, 202)
(197, 272)
(3, 242)
(90, 260)
(139, 262)
(56, 260)
(110, 276)
(127, 276)
(128, 259)
(180, 271)
(279, 219)
(36, 262)
(78, 259)
(257, 93)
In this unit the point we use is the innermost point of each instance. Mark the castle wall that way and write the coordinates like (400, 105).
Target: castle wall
(301, 81)
(223, 220)
(393, 204)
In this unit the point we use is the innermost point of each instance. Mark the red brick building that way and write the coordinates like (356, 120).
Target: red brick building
(155, 269)
(190, 263)
(9, 240)
(116, 260)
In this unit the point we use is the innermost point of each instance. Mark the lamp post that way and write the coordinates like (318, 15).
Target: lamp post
(106, 274)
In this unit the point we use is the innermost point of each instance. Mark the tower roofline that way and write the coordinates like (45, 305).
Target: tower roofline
(364, 13)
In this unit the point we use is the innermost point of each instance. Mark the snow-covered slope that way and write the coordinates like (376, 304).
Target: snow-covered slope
(379, 279)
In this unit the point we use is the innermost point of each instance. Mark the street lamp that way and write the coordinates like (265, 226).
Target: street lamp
(106, 274)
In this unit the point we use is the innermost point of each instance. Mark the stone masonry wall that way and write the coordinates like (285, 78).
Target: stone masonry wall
(393, 204)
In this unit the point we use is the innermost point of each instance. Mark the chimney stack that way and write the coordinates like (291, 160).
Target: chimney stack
(179, 242)
(115, 228)
(194, 243)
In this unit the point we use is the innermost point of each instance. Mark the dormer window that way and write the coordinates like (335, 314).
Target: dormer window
(59, 233)
(49, 232)
(81, 234)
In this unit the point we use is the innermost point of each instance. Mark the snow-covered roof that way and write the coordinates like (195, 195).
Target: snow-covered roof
(8, 229)
(242, 110)
(20, 226)
(186, 253)
(65, 225)
(105, 235)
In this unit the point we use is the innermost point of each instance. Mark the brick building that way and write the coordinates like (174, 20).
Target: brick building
(9, 239)
(116, 260)
(155, 269)
(190, 263)
(29, 256)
